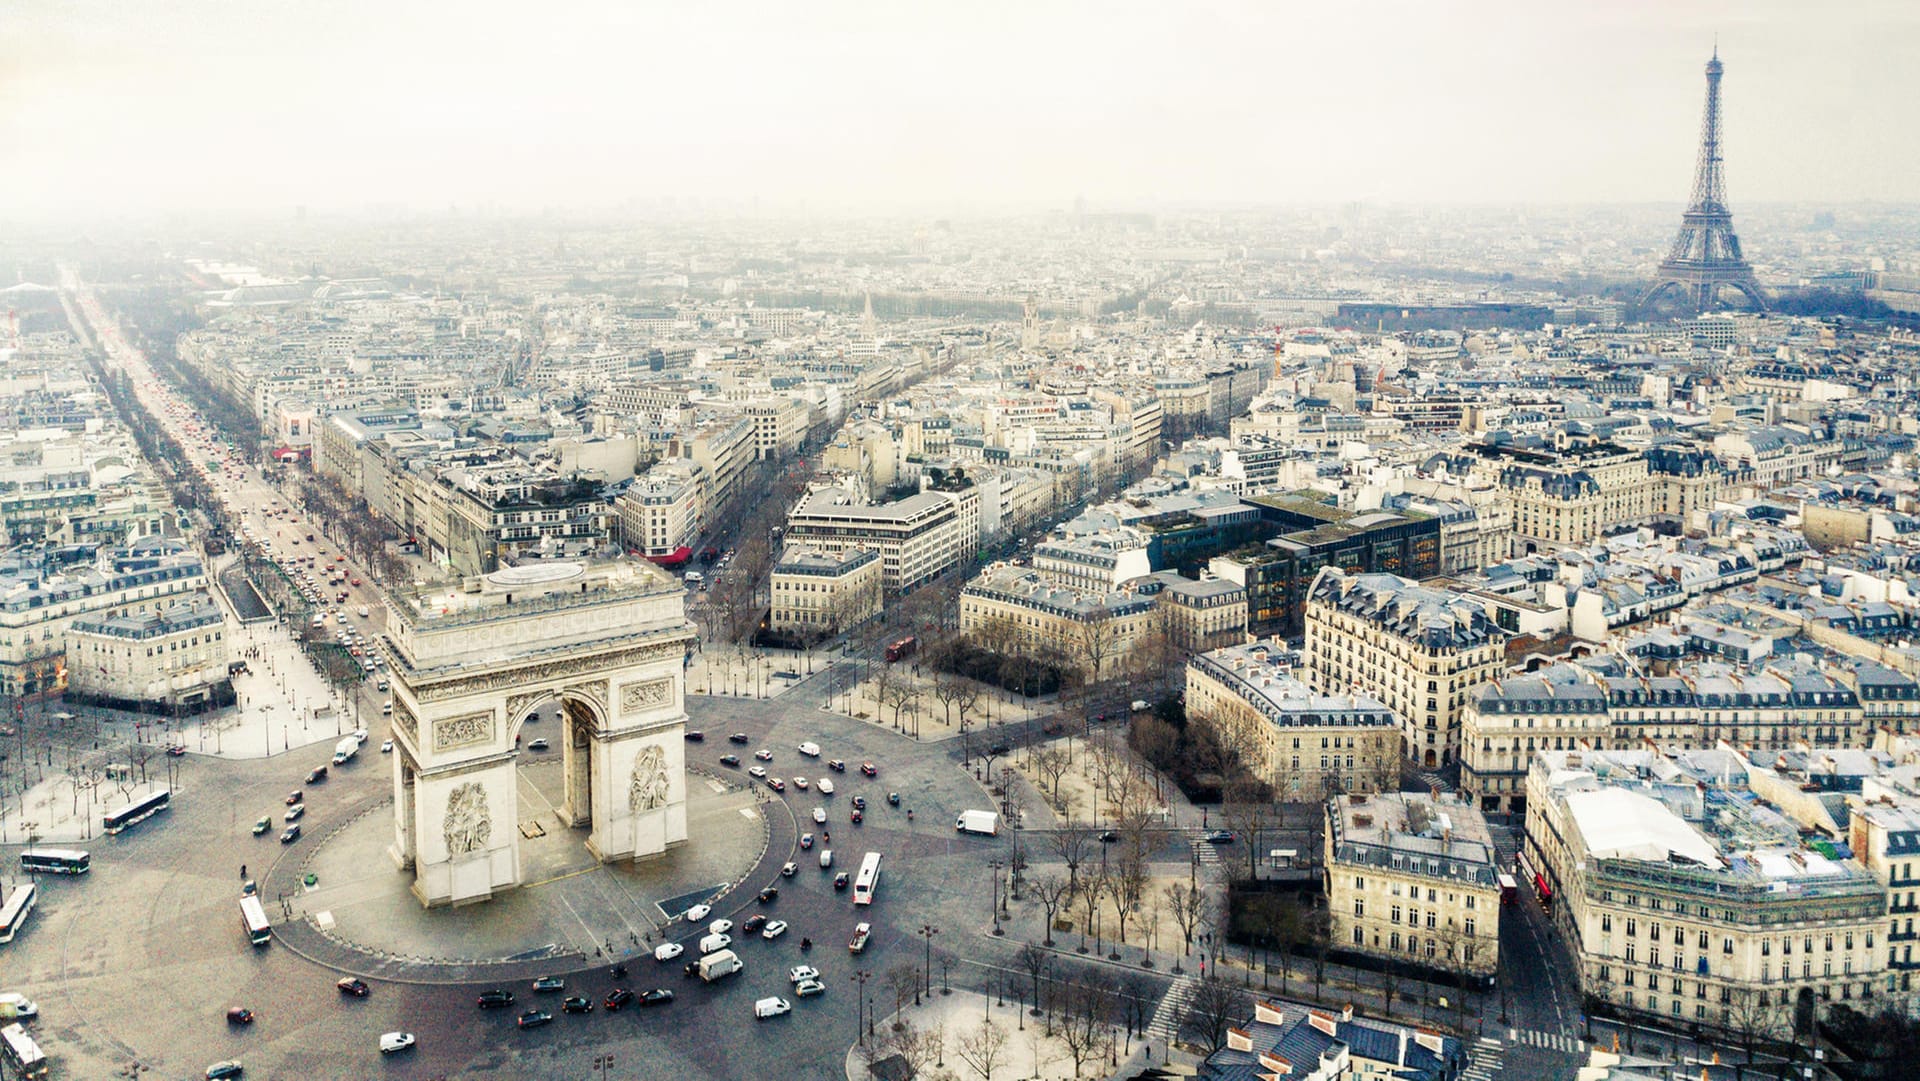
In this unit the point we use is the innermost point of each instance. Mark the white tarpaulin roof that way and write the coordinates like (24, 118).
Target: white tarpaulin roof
(1627, 825)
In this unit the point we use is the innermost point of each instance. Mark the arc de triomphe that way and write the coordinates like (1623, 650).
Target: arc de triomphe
(472, 661)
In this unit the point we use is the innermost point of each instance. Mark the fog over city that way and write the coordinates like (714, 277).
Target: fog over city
(196, 105)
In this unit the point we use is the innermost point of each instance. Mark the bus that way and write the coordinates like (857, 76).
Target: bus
(1508, 888)
(138, 811)
(253, 920)
(13, 915)
(55, 861)
(902, 648)
(1541, 887)
(22, 1053)
(868, 880)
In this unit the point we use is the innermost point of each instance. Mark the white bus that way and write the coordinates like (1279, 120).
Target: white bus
(55, 861)
(138, 811)
(13, 915)
(868, 880)
(22, 1053)
(253, 920)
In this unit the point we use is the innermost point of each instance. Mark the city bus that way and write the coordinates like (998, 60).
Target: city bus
(55, 861)
(13, 915)
(867, 880)
(1541, 887)
(901, 649)
(22, 1053)
(1508, 888)
(253, 920)
(138, 811)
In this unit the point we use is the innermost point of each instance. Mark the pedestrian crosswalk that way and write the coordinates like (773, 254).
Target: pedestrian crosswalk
(1173, 1009)
(1485, 1061)
(1205, 852)
(1552, 1041)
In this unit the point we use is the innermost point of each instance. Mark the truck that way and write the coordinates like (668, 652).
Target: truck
(986, 823)
(15, 1006)
(719, 963)
(344, 750)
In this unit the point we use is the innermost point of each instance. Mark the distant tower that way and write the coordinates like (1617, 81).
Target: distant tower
(1705, 257)
(869, 326)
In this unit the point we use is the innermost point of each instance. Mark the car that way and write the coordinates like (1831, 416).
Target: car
(538, 745)
(789, 868)
(763, 755)
(617, 998)
(771, 1007)
(386, 746)
(859, 803)
(296, 812)
(820, 815)
(696, 736)
(668, 951)
(857, 816)
(395, 1041)
(840, 881)
(576, 1004)
(868, 769)
(290, 834)
(548, 984)
(836, 765)
(758, 772)
(893, 799)
(809, 987)
(264, 824)
(1108, 836)
(806, 840)
(719, 927)
(219, 1071)
(495, 997)
(738, 737)
(825, 785)
(698, 913)
(239, 1015)
(800, 783)
(733, 761)
(810, 749)
(769, 895)
(776, 784)
(800, 973)
(658, 996)
(350, 986)
(533, 1019)
(753, 923)
(999, 749)
(295, 797)
(861, 933)
(176, 750)
(1219, 837)
(774, 930)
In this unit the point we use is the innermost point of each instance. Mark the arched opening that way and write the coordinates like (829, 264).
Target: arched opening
(1428, 760)
(560, 726)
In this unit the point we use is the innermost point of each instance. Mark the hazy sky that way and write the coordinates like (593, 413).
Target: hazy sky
(264, 104)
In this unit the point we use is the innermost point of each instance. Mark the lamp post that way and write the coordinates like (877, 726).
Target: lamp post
(603, 1063)
(859, 1017)
(927, 931)
(994, 905)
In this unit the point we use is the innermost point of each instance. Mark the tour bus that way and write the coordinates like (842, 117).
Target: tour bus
(902, 648)
(253, 919)
(13, 914)
(55, 861)
(867, 880)
(138, 811)
(1508, 888)
(22, 1053)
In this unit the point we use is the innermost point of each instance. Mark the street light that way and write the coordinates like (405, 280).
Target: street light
(927, 931)
(859, 1019)
(603, 1063)
(994, 905)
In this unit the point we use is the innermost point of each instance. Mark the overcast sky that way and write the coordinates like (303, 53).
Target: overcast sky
(264, 104)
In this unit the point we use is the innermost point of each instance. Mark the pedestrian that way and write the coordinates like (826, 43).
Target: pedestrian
(243, 870)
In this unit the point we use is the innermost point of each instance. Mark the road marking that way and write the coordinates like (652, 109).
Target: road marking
(560, 878)
(748, 812)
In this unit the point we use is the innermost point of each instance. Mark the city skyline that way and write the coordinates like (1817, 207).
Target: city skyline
(830, 106)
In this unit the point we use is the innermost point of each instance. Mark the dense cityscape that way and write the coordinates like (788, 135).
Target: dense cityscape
(1349, 640)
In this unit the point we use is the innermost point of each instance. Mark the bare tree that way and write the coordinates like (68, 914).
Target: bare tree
(918, 1047)
(1073, 845)
(1035, 960)
(1097, 643)
(1053, 893)
(901, 694)
(1052, 763)
(1185, 904)
(1083, 1030)
(1246, 812)
(983, 1048)
(883, 681)
(947, 689)
(1092, 888)
(1756, 1017)
(1216, 1006)
(904, 981)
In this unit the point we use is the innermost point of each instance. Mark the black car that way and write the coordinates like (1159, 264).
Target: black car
(752, 924)
(617, 998)
(739, 737)
(534, 1019)
(893, 799)
(495, 997)
(318, 774)
(576, 1004)
(239, 1015)
(859, 803)
(351, 986)
(730, 760)
(836, 765)
(659, 996)
(999, 749)
(1219, 837)
(696, 736)
(769, 895)
(840, 881)
(1108, 836)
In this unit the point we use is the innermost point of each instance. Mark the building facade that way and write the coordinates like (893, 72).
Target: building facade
(173, 660)
(1307, 746)
(1411, 879)
(818, 594)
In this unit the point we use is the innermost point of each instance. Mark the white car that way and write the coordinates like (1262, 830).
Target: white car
(801, 973)
(774, 930)
(825, 785)
(386, 746)
(820, 815)
(771, 1007)
(395, 1041)
(810, 749)
(719, 927)
(810, 987)
(757, 771)
(669, 951)
(698, 913)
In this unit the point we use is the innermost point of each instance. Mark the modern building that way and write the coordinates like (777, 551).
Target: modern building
(1413, 879)
(1278, 573)
(171, 660)
(1419, 650)
(1308, 746)
(660, 513)
(818, 594)
(919, 537)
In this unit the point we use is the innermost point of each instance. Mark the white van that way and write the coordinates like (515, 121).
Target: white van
(714, 943)
(826, 858)
(694, 578)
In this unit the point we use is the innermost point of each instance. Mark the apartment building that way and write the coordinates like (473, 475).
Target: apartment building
(1411, 878)
(475, 516)
(660, 515)
(1419, 650)
(169, 660)
(40, 599)
(1690, 901)
(1884, 835)
(724, 449)
(1197, 614)
(1095, 561)
(1308, 746)
(1302, 1044)
(1092, 631)
(919, 537)
(779, 426)
(818, 594)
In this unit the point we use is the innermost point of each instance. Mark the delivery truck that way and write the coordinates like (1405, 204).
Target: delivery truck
(345, 750)
(982, 822)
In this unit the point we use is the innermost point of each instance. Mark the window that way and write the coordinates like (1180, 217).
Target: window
(1360, 906)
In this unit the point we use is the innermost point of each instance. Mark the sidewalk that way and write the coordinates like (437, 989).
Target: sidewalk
(944, 1031)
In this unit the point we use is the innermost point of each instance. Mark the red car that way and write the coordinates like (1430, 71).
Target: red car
(868, 769)
(776, 784)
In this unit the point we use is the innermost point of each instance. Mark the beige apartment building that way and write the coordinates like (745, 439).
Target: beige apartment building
(39, 605)
(1307, 746)
(1419, 650)
(173, 658)
(819, 594)
(1094, 632)
(660, 512)
(1412, 878)
(918, 538)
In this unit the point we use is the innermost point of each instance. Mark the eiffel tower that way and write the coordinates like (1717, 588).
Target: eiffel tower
(1705, 258)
